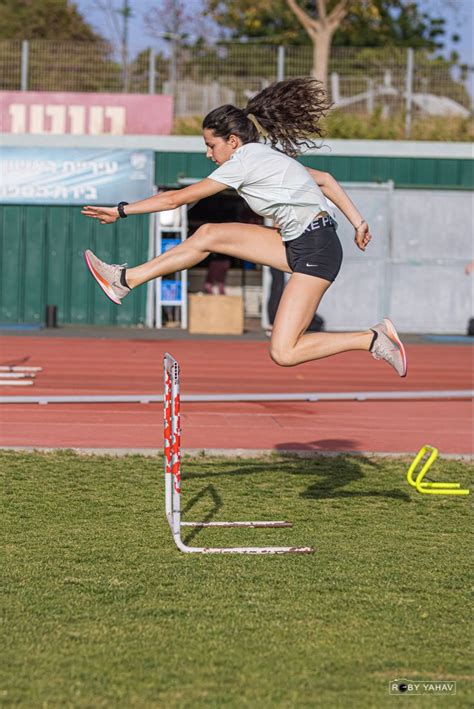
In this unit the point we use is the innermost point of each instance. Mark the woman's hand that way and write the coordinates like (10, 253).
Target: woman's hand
(362, 236)
(106, 215)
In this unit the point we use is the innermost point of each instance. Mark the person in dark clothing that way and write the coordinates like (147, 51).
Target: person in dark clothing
(216, 273)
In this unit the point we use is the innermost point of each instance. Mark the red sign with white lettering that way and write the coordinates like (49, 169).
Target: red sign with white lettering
(55, 113)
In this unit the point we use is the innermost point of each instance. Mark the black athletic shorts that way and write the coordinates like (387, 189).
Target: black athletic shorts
(318, 251)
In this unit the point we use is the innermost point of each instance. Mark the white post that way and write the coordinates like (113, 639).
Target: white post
(335, 95)
(370, 96)
(409, 91)
(214, 94)
(157, 281)
(150, 286)
(281, 63)
(151, 72)
(25, 54)
(266, 286)
(173, 73)
(184, 274)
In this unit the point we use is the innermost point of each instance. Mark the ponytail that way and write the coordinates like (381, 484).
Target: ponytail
(286, 113)
(290, 112)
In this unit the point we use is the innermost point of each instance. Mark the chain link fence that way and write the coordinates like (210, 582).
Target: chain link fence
(360, 80)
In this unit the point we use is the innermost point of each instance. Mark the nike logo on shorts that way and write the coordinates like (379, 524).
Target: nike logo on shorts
(312, 265)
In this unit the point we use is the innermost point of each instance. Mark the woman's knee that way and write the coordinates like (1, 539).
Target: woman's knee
(205, 236)
(283, 356)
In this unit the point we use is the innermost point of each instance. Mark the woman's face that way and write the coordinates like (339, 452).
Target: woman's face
(219, 150)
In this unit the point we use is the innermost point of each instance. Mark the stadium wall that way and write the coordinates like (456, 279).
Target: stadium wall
(41, 246)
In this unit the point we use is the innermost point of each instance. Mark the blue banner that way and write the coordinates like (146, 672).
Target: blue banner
(75, 176)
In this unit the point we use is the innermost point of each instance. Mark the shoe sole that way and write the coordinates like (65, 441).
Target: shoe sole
(394, 336)
(105, 285)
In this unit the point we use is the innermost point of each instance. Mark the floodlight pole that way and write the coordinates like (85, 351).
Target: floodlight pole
(126, 13)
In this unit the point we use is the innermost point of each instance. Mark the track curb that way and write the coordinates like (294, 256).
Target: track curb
(232, 452)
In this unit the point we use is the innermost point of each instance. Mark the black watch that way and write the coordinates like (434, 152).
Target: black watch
(121, 212)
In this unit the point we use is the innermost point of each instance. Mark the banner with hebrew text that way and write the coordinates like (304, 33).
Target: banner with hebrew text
(75, 176)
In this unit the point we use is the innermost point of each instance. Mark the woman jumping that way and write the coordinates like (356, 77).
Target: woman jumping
(254, 149)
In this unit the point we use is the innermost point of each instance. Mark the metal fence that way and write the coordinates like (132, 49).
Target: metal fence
(360, 80)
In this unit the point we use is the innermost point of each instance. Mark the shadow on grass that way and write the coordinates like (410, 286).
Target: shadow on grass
(208, 491)
(348, 463)
(331, 474)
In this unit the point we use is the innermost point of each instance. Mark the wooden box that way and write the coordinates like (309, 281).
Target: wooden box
(216, 314)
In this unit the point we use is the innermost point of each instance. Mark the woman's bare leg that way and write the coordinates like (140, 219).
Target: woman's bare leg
(249, 242)
(300, 300)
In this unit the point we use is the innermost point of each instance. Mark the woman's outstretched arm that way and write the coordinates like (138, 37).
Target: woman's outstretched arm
(333, 191)
(171, 199)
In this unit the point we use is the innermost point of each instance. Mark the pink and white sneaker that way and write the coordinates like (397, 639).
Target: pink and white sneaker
(108, 277)
(389, 347)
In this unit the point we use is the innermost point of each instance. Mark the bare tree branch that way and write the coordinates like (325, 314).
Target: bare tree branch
(175, 17)
(321, 31)
(311, 26)
(338, 13)
(321, 5)
(107, 8)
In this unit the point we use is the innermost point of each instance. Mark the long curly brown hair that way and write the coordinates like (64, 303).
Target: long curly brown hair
(289, 112)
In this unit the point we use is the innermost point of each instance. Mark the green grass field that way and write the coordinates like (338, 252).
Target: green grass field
(101, 610)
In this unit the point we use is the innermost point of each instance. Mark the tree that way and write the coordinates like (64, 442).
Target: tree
(169, 19)
(62, 46)
(175, 18)
(323, 23)
(268, 20)
(44, 19)
(385, 23)
(321, 30)
(367, 23)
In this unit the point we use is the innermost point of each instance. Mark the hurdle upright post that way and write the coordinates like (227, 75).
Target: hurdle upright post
(172, 448)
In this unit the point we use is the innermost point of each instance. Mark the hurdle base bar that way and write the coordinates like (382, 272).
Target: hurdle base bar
(243, 550)
(236, 550)
(428, 487)
(253, 525)
(438, 488)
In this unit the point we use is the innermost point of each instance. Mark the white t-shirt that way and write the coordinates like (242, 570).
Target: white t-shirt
(274, 186)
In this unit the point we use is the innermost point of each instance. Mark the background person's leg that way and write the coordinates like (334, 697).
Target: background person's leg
(216, 273)
(289, 345)
(276, 291)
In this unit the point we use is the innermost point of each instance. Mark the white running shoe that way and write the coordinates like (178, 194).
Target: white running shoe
(108, 277)
(389, 347)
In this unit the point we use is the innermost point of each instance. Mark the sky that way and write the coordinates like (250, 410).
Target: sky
(459, 15)
(460, 21)
(139, 37)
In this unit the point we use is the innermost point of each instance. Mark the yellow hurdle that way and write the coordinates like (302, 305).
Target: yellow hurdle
(430, 488)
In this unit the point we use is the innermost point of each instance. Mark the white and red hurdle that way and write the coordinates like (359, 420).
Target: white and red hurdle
(173, 482)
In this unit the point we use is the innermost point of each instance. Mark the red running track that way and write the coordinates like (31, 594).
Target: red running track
(98, 366)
